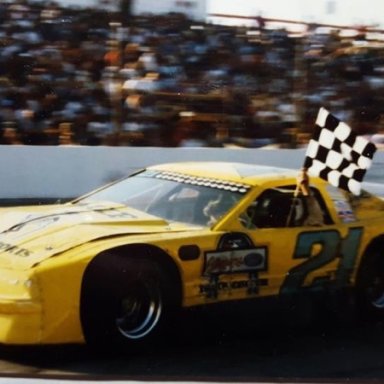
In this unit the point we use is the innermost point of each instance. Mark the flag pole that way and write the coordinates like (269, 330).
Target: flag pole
(302, 185)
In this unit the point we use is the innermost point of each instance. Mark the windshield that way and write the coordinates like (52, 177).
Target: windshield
(173, 197)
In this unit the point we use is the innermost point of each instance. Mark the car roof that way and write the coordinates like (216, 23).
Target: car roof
(250, 174)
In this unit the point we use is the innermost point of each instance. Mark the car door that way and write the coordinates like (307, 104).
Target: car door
(304, 247)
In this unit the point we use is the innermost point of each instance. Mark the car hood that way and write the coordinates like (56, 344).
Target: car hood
(29, 235)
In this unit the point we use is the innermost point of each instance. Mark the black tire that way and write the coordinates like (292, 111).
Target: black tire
(370, 288)
(125, 301)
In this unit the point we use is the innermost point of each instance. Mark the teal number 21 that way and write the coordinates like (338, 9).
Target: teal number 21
(333, 246)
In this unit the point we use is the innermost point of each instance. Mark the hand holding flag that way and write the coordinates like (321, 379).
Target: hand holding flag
(336, 154)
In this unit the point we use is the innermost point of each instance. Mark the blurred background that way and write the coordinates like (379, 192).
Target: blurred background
(188, 73)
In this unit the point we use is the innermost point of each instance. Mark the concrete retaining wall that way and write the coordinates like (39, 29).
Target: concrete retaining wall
(66, 172)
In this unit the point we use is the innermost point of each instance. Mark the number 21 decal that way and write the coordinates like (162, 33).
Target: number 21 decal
(333, 246)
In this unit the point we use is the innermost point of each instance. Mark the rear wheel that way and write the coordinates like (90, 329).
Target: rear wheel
(370, 288)
(125, 301)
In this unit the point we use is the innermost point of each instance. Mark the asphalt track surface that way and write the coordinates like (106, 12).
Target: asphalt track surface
(228, 348)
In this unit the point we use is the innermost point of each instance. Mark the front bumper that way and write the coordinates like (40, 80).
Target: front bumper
(20, 309)
(20, 323)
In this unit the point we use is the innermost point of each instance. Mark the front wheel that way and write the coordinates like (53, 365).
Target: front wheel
(140, 309)
(125, 301)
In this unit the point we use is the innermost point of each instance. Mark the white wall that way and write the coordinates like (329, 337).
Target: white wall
(65, 172)
(50, 172)
(338, 12)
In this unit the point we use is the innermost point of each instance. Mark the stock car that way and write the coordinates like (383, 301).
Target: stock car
(116, 265)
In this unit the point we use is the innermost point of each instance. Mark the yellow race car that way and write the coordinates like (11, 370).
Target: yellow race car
(116, 265)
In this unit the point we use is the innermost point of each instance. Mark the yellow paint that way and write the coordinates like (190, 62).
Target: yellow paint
(41, 269)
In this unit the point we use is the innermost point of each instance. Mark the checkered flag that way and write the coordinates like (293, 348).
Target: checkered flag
(337, 154)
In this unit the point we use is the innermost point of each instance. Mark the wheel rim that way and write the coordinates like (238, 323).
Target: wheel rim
(376, 292)
(140, 311)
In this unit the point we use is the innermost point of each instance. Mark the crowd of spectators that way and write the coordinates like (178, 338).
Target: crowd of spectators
(88, 77)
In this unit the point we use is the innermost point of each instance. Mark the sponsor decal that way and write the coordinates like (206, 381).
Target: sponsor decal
(214, 286)
(13, 249)
(235, 261)
(344, 211)
(224, 285)
(34, 223)
(117, 214)
(250, 261)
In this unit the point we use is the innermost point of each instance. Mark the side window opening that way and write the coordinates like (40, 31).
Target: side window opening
(279, 208)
